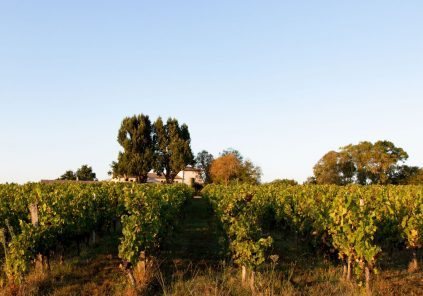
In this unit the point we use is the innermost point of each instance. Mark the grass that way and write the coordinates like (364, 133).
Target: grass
(95, 272)
(194, 262)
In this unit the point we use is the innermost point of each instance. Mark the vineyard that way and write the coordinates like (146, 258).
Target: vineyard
(352, 225)
(38, 221)
(354, 222)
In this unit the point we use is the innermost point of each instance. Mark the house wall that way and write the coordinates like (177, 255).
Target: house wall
(121, 179)
(189, 175)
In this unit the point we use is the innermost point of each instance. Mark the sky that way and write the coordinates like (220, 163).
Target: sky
(283, 82)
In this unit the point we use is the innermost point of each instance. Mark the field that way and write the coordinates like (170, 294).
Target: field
(199, 255)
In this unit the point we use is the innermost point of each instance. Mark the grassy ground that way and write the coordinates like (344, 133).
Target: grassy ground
(95, 272)
(195, 265)
(197, 238)
(192, 262)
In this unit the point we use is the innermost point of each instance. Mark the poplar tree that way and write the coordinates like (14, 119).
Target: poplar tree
(136, 138)
(172, 148)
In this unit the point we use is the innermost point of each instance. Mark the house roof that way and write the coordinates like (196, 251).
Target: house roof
(192, 169)
(154, 176)
(65, 181)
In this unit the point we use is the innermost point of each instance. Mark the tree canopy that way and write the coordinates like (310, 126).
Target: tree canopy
(203, 161)
(334, 168)
(84, 173)
(364, 163)
(287, 182)
(412, 175)
(162, 147)
(230, 167)
(136, 138)
(172, 148)
(68, 175)
(225, 168)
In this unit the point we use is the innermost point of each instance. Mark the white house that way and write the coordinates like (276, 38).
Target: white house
(187, 176)
(190, 176)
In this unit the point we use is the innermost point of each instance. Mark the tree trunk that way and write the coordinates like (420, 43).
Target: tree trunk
(413, 266)
(168, 177)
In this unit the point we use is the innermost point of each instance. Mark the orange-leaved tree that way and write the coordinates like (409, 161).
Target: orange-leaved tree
(225, 168)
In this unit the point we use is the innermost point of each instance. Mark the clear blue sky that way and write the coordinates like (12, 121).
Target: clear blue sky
(281, 81)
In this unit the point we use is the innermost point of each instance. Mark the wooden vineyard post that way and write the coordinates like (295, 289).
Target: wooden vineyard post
(413, 266)
(344, 270)
(344, 267)
(39, 263)
(126, 266)
(93, 237)
(252, 279)
(142, 262)
(349, 269)
(140, 271)
(33, 210)
(243, 275)
(368, 280)
(46, 263)
(131, 278)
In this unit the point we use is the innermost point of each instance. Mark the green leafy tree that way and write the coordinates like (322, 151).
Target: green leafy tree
(364, 163)
(404, 174)
(172, 148)
(375, 162)
(203, 162)
(136, 138)
(68, 175)
(416, 178)
(284, 182)
(310, 181)
(85, 173)
(250, 173)
(233, 151)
